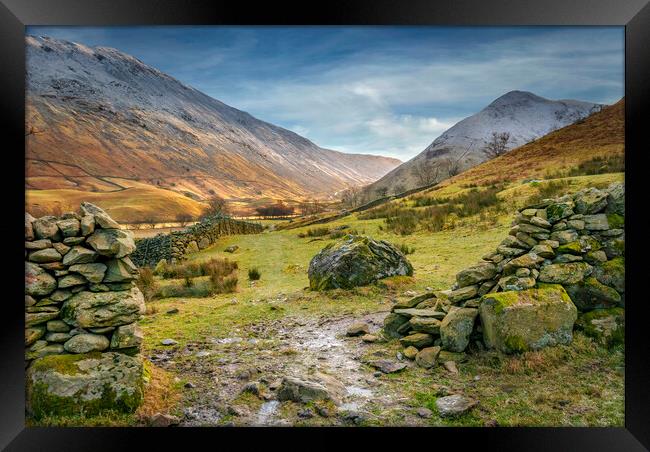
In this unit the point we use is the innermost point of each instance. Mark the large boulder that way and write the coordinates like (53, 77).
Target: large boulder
(99, 309)
(530, 319)
(112, 242)
(37, 281)
(456, 328)
(84, 384)
(356, 261)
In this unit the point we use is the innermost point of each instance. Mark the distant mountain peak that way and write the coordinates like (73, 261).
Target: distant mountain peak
(524, 115)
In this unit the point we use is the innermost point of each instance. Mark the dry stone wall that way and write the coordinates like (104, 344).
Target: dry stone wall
(81, 311)
(562, 261)
(176, 245)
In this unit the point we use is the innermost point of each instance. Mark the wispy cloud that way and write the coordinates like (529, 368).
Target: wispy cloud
(387, 90)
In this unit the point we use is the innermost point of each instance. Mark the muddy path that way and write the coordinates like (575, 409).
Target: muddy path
(234, 380)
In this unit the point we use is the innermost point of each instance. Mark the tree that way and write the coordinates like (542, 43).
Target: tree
(184, 218)
(351, 197)
(312, 207)
(217, 206)
(279, 209)
(150, 221)
(498, 145)
(426, 171)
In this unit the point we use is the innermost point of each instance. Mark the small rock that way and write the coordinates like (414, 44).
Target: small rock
(454, 405)
(306, 413)
(168, 342)
(386, 366)
(163, 420)
(425, 413)
(357, 329)
(370, 338)
(172, 311)
(410, 352)
(451, 366)
(252, 388)
(189, 385)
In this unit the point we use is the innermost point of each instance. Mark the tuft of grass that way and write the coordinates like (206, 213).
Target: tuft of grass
(254, 274)
(147, 283)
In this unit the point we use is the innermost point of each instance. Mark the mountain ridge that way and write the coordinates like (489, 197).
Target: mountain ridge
(525, 115)
(99, 112)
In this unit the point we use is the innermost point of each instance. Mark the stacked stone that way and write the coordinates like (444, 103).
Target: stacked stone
(80, 294)
(560, 254)
(176, 245)
(81, 309)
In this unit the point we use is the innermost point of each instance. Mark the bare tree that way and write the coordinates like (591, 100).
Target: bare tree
(426, 171)
(399, 188)
(454, 165)
(351, 197)
(311, 207)
(184, 218)
(216, 206)
(382, 191)
(498, 145)
(150, 221)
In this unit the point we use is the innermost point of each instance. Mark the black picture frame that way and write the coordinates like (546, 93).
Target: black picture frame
(633, 14)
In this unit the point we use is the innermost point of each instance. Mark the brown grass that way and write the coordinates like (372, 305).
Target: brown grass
(161, 394)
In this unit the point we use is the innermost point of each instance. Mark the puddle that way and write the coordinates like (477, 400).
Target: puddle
(226, 340)
(357, 391)
(267, 411)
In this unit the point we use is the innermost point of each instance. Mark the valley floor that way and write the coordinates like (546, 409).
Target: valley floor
(277, 327)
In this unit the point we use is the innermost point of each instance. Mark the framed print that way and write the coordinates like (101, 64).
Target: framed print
(375, 217)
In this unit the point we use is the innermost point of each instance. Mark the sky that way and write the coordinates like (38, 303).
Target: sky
(373, 90)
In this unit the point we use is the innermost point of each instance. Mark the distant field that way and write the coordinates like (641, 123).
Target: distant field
(130, 205)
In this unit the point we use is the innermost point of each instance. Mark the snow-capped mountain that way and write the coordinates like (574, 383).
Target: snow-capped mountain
(99, 113)
(524, 115)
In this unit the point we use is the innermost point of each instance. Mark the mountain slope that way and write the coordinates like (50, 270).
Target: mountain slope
(598, 138)
(524, 115)
(98, 113)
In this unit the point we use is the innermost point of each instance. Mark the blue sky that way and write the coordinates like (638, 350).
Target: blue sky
(379, 90)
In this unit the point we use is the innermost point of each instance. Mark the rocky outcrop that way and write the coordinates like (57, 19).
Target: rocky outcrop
(81, 311)
(356, 261)
(564, 259)
(176, 245)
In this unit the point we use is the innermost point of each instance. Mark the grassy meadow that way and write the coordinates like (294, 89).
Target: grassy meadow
(577, 385)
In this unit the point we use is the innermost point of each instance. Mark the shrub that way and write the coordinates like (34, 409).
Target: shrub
(220, 284)
(194, 269)
(188, 282)
(317, 232)
(254, 274)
